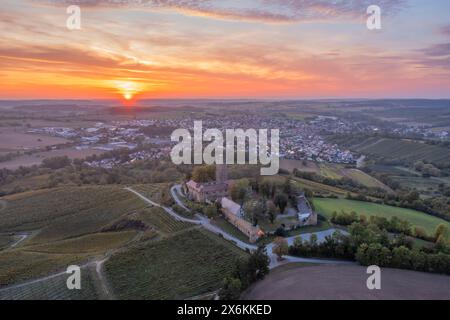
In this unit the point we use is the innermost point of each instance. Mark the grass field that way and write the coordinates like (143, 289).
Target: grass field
(328, 206)
(183, 266)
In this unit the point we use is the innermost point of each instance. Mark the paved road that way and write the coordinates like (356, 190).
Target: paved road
(174, 215)
(175, 191)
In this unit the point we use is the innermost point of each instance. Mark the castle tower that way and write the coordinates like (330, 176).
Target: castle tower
(221, 173)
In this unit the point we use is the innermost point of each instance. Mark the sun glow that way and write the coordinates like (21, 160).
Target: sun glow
(127, 89)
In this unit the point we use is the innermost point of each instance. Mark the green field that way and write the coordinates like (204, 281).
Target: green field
(186, 265)
(327, 206)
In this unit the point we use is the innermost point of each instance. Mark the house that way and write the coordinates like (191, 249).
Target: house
(234, 214)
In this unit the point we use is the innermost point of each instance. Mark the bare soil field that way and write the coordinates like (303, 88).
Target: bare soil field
(36, 159)
(13, 141)
(345, 282)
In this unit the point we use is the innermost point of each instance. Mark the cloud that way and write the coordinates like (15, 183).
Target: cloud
(445, 30)
(267, 11)
(437, 50)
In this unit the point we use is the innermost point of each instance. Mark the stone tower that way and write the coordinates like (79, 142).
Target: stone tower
(221, 173)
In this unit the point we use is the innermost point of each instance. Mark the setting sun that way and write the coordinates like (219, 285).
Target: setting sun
(127, 89)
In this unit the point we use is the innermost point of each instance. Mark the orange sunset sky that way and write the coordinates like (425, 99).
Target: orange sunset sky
(224, 49)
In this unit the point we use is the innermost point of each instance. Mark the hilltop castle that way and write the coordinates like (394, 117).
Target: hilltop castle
(211, 191)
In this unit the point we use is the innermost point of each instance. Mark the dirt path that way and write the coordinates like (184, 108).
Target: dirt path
(104, 289)
(22, 237)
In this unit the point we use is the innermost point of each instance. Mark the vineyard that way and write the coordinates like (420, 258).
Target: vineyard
(161, 221)
(19, 265)
(333, 171)
(65, 212)
(53, 288)
(92, 243)
(6, 241)
(186, 265)
(152, 191)
(403, 150)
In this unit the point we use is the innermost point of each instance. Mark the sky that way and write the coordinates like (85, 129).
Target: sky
(143, 49)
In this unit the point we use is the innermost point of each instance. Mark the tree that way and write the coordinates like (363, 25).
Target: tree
(441, 230)
(258, 264)
(287, 186)
(56, 162)
(420, 232)
(313, 240)
(373, 254)
(401, 257)
(271, 211)
(231, 289)
(238, 190)
(281, 201)
(211, 211)
(280, 247)
(204, 173)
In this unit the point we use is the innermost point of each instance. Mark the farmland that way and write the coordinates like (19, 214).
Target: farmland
(152, 191)
(92, 243)
(416, 218)
(402, 150)
(13, 140)
(161, 221)
(28, 160)
(53, 288)
(64, 212)
(333, 171)
(186, 265)
(65, 226)
(19, 265)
